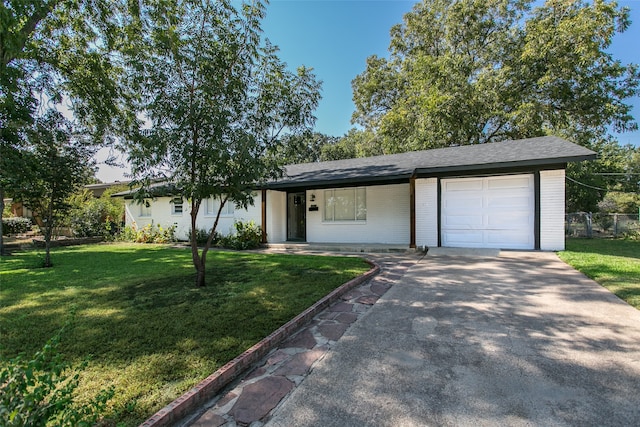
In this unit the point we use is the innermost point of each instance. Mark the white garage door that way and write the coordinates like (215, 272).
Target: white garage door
(490, 212)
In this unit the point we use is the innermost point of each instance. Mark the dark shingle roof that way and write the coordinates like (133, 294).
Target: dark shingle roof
(547, 150)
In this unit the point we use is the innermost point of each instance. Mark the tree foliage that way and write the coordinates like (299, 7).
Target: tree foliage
(466, 72)
(40, 391)
(60, 54)
(218, 100)
(306, 147)
(53, 168)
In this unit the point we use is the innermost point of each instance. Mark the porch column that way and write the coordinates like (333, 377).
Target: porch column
(412, 211)
(263, 204)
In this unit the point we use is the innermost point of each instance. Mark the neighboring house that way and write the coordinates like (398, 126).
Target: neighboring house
(19, 210)
(508, 195)
(98, 189)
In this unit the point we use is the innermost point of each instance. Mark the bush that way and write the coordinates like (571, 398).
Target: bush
(247, 236)
(603, 219)
(202, 236)
(39, 392)
(15, 225)
(150, 233)
(92, 216)
(633, 232)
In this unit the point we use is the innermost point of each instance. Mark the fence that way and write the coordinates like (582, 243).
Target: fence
(587, 224)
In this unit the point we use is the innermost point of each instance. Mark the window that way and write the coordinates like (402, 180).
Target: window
(176, 206)
(212, 206)
(145, 208)
(346, 204)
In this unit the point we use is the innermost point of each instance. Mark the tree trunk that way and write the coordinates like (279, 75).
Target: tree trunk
(200, 276)
(47, 245)
(1, 230)
(200, 260)
(48, 231)
(195, 255)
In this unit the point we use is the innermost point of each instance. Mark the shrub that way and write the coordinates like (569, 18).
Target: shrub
(150, 233)
(92, 216)
(603, 219)
(40, 391)
(202, 236)
(15, 225)
(247, 236)
(633, 232)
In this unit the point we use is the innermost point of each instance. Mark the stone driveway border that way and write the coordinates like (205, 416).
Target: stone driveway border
(210, 386)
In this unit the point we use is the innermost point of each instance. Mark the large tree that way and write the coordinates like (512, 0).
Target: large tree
(467, 71)
(60, 54)
(217, 99)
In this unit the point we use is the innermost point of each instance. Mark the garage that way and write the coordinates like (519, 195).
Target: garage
(488, 212)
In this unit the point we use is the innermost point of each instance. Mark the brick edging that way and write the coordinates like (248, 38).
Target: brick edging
(207, 388)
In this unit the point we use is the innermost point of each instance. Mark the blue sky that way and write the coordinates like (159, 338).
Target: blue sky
(335, 37)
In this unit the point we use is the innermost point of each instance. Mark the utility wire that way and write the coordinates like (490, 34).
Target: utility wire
(585, 185)
(617, 173)
(598, 188)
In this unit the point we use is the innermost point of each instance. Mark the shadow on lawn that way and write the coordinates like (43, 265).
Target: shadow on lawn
(154, 337)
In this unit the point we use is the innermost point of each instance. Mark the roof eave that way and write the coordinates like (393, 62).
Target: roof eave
(346, 182)
(504, 165)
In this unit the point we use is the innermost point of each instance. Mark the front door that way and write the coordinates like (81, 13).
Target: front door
(296, 217)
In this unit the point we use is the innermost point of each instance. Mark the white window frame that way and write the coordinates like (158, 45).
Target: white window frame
(175, 202)
(145, 209)
(212, 205)
(359, 201)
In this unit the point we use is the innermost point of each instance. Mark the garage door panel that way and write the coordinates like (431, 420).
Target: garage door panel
(507, 183)
(464, 202)
(509, 222)
(468, 238)
(464, 185)
(499, 213)
(509, 202)
(510, 240)
(465, 222)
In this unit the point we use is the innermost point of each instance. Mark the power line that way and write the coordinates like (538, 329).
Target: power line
(586, 185)
(598, 188)
(616, 173)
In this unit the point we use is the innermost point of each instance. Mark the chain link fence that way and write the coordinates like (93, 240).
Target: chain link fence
(587, 224)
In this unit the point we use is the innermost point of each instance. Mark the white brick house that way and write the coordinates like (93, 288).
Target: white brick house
(507, 195)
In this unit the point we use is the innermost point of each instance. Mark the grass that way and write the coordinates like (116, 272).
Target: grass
(615, 264)
(146, 328)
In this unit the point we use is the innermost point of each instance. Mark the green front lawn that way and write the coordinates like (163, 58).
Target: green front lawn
(615, 264)
(147, 329)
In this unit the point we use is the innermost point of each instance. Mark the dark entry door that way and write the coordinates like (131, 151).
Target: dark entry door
(296, 217)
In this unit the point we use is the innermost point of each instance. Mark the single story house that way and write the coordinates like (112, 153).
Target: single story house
(507, 195)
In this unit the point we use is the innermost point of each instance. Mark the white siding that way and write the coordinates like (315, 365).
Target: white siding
(387, 218)
(276, 216)
(552, 204)
(161, 215)
(427, 212)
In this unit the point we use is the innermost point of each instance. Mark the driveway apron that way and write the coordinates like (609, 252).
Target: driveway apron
(520, 339)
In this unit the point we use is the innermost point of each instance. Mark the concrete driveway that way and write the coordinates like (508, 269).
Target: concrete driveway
(520, 339)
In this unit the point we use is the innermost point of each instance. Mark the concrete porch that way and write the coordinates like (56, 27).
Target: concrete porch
(340, 247)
